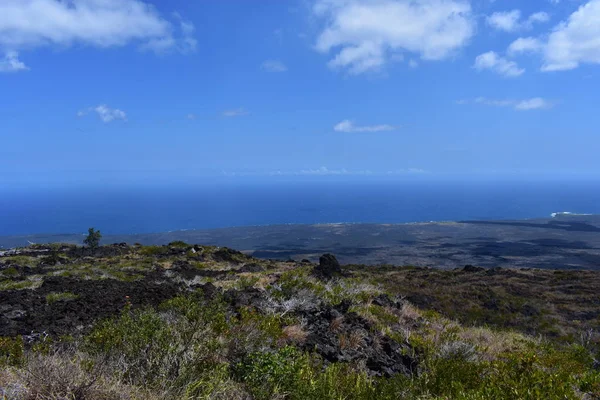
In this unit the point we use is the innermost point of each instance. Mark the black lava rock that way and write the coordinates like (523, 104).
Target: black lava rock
(328, 266)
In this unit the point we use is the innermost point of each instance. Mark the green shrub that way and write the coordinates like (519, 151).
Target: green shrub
(293, 281)
(180, 244)
(92, 240)
(246, 282)
(198, 311)
(11, 351)
(31, 283)
(154, 250)
(269, 373)
(20, 260)
(10, 272)
(141, 339)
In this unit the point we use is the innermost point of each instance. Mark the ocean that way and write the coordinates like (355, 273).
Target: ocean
(146, 209)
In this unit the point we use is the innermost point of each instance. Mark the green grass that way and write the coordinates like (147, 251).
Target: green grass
(154, 250)
(20, 260)
(64, 296)
(9, 272)
(471, 336)
(31, 283)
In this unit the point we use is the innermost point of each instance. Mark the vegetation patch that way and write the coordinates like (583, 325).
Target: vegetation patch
(63, 296)
(113, 323)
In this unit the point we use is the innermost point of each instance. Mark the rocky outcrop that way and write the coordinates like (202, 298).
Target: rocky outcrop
(328, 267)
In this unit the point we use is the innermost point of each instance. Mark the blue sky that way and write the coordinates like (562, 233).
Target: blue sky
(128, 90)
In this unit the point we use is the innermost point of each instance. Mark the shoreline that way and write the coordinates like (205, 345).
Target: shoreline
(553, 215)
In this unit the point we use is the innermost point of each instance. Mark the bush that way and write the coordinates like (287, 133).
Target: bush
(167, 350)
(269, 373)
(140, 341)
(11, 351)
(93, 238)
(179, 244)
(67, 376)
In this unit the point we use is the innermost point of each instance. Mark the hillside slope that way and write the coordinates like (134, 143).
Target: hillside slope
(186, 322)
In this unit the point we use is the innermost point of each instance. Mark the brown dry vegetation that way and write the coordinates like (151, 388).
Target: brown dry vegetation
(560, 304)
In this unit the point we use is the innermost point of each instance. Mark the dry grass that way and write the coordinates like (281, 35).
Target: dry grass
(336, 324)
(352, 341)
(295, 334)
(555, 303)
(264, 281)
(492, 344)
(65, 376)
(409, 314)
(356, 339)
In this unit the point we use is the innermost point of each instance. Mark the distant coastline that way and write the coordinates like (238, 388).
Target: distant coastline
(76, 238)
(563, 241)
(122, 211)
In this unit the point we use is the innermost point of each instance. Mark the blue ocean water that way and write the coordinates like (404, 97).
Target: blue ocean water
(137, 209)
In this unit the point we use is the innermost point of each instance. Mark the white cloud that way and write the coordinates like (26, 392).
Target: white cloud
(344, 171)
(525, 45)
(492, 61)
(367, 34)
(324, 171)
(569, 44)
(510, 21)
(273, 66)
(238, 112)
(191, 116)
(407, 171)
(11, 63)
(535, 103)
(105, 113)
(532, 104)
(506, 21)
(575, 41)
(101, 23)
(349, 127)
(494, 102)
(540, 17)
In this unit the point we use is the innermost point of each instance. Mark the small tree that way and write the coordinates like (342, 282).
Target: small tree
(93, 238)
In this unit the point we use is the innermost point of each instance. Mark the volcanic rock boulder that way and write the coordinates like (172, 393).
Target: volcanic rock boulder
(328, 267)
(471, 268)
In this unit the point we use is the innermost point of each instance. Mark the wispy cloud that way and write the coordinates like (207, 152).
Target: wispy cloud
(349, 127)
(344, 171)
(191, 116)
(11, 62)
(368, 34)
(274, 66)
(325, 171)
(525, 45)
(407, 171)
(238, 112)
(535, 103)
(105, 23)
(510, 21)
(105, 113)
(500, 65)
